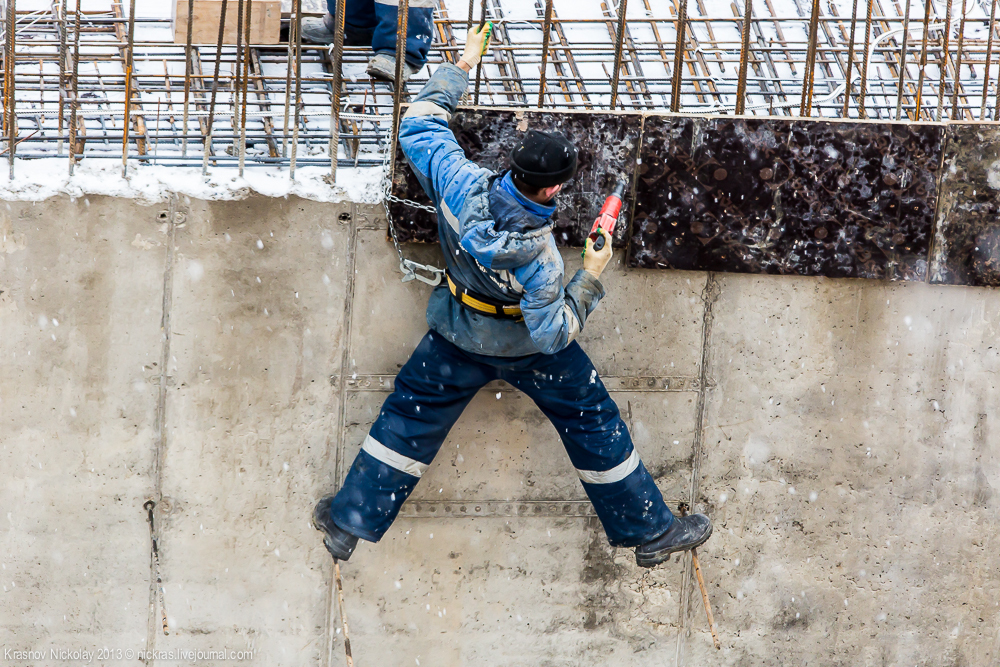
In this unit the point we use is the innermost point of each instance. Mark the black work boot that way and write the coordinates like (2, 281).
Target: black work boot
(686, 532)
(337, 541)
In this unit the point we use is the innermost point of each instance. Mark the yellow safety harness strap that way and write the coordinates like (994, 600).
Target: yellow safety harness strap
(481, 305)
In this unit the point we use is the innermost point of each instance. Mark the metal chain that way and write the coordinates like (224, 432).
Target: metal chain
(408, 267)
(405, 202)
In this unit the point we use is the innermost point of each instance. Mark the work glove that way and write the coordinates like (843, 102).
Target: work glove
(476, 44)
(594, 261)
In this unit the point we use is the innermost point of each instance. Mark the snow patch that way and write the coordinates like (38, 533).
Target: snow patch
(37, 180)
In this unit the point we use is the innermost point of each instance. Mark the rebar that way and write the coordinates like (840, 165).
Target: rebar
(63, 55)
(675, 85)
(902, 60)
(238, 65)
(129, 65)
(863, 88)
(288, 86)
(958, 66)
(805, 107)
(298, 88)
(76, 92)
(10, 85)
(337, 65)
(547, 33)
(187, 74)
(397, 93)
(996, 103)
(215, 89)
(479, 65)
(944, 59)
(243, 93)
(741, 85)
(923, 60)
(619, 42)
(989, 56)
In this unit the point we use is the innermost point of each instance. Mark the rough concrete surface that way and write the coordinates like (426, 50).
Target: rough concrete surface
(839, 433)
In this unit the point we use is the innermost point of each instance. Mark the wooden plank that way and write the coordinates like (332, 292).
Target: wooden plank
(265, 22)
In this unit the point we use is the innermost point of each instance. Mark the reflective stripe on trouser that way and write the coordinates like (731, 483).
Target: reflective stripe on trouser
(431, 392)
(381, 19)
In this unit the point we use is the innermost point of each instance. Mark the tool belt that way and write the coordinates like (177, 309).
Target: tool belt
(483, 304)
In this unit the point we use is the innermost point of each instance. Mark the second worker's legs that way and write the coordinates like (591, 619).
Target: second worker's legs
(376, 22)
(359, 24)
(419, 30)
(360, 21)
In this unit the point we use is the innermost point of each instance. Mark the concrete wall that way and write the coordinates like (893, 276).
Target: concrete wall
(224, 360)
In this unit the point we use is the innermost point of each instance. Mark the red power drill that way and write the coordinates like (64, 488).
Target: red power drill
(608, 216)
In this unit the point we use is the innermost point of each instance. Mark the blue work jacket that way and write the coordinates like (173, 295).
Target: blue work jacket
(492, 245)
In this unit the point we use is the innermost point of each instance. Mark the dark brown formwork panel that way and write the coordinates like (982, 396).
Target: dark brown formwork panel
(813, 198)
(966, 248)
(608, 144)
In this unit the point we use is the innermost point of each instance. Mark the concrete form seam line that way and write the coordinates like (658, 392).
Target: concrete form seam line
(710, 294)
(159, 445)
(341, 423)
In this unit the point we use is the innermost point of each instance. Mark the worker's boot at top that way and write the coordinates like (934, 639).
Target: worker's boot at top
(383, 66)
(686, 532)
(320, 31)
(337, 541)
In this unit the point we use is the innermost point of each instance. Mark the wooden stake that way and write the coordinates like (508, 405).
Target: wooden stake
(682, 509)
(343, 616)
(704, 598)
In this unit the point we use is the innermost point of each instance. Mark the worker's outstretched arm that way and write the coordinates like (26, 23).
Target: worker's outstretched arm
(429, 145)
(448, 176)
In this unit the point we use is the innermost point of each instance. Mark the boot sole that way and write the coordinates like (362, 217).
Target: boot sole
(663, 555)
(379, 75)
(390, 77)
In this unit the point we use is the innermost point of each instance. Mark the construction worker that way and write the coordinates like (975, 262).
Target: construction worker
(504, 315)
(374, 23)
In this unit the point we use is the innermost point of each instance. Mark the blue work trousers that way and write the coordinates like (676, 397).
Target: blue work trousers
(431, 392)
(379, 20)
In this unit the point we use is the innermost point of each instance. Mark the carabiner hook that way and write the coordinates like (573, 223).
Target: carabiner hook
(409, 269)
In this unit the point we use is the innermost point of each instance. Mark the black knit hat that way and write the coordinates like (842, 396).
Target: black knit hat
(543, 159)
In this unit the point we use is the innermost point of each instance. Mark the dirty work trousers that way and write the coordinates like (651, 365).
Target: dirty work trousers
(434, 387)
(377, 20)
